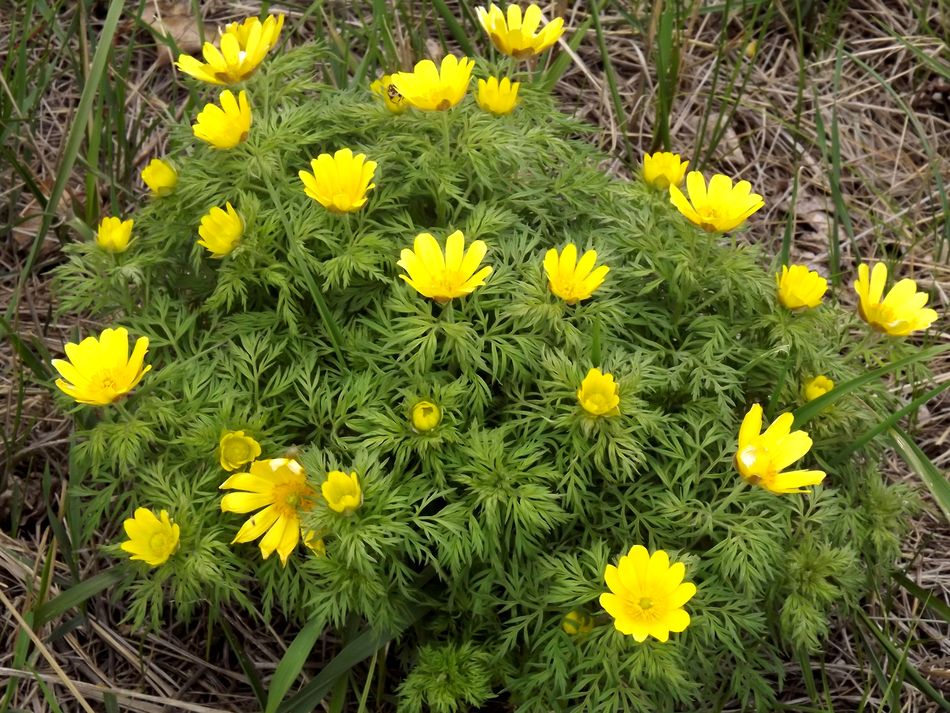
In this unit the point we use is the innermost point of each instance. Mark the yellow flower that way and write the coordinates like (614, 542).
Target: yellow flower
(342, 492)
(599, 395)
(225, 126)
(113, 234)
(221, 231)
(761, 456)
(496, 97)
(314, 543)
(339, 182)
(236, 449)
(647, 594)
(663, 169)
(570, 279)
(818, 386)
(278, 485)
(151, 539)
(444, 277)
(425, 416)
(900, 312)
(393, 100)
(517, 36)
(577, 623)
(724, 207)
(243, 47)
(99, 371)
(799, 287)
(160, 177)
(431, 89)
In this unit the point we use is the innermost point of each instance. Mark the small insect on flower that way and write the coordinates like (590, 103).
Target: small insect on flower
(444, 277)
(800, 288)
(570, 279)
(664, 169)
(100, 371)
(243, 48)
(518, 36)
(599, 395)
(425, 416)
(722, 208)
(761, 457)
(498, 98)
(428, 88)
(817, 386)
(114, 234)
(151, 539)
(898, 314)
(236, 449)
(342, 492)
(647, 594)
(384, 88)
(160, 177)
(339, 182)
(225, 126)
(220, 231)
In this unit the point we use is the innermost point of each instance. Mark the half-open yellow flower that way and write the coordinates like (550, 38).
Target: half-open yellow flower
(339, 182)
(278, 485)
(817, 386)
(664, 169)
(435, 89)
(151, 539)
(100, 371)
(444, 277)
(498, 98)
(722, 208)
(570, 279)
(237, 448)
(762, 456)
(393, 100)
(647, 594)
(243, 48)
(114, 234)
(220, 231)
(342, 492)
(314, 542)
(599, 395)
(901, 312)
(799, 287)
(225, 126)
(160, 177)
(518, 36)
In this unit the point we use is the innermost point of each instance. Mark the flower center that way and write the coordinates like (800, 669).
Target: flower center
(289, 498)
(158, 542)
(646, 603)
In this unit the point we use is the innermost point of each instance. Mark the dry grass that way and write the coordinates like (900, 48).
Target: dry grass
(890, 131)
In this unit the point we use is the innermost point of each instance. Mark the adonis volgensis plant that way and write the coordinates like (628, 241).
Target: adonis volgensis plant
(536, 422)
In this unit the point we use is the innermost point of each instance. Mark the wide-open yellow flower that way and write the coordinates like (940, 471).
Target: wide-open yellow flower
(599, 395)
(647, 594)
(664, 169)
(243, 48)
(817, 386)
(160, 177)
(723, 207)
(518, 36)
(342, 492)
(393, 100)
(435, 89)
(799, 287)
(237, 448)
(278, 485)
(762, 456)
(225, 126)
(113, 234)
(498, 98)
(425, 416)
(339, 182)
(443, 278)
(151, 539)
(99, 371)
(220, 231)
(570, 279)
(901, 312)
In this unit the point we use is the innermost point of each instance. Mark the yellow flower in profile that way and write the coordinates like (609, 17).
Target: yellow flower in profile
(160, 177)
(278, 485)
(817, 386)
(151, 539)
(425, 416)
(114, 234)
(431, 89)
(220, 231)
(799, 287)
(599, 395)
(762, 456)
(570, 279)
(518, 36)
(315, 543)
(236, 448)
(393, 100)
(498, 98)
(901, 312)
(100, 371)
(577, 623)
(225, 126)
(647, 595)
(342, 492)
(339, 182)
(444, 277)
(664, 169)
(243, 48)
(722, 208)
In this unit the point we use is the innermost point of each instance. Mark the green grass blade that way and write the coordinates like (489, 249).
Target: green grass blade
(614, 88)
(77, 594)
(246, 664)
(926, 597)
(291, 664)
(914, 457)
(455, 28)
(563, 60)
